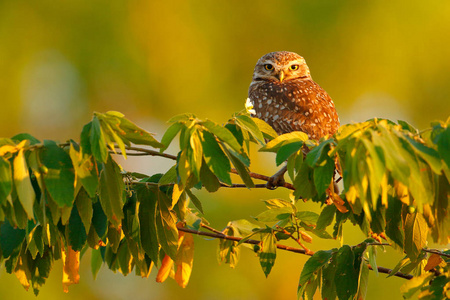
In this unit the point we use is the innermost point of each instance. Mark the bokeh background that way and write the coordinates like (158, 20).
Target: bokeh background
(151, 60)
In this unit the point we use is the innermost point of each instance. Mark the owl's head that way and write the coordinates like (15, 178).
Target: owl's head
(281, 66)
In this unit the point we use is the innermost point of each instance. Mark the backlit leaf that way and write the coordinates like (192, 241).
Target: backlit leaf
(416, 231)
(71, 265)
(5, 180)
(185, 259)
(268, 252)
(24, 189)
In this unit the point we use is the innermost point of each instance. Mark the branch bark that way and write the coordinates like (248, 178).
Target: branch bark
(218, 235)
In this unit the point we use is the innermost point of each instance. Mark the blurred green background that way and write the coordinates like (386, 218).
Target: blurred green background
(61, 61)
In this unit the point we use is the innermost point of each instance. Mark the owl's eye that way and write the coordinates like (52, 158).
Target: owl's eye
(268, 67)
(293, 67)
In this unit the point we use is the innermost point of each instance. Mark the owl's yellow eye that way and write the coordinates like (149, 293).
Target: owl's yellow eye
(268, 67)
(293, 67)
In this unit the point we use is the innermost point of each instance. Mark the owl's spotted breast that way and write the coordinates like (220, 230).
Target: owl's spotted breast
(289, 100)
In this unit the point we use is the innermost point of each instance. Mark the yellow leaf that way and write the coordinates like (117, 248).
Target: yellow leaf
(185, 259)
(433, 261)
(23, 185)
(71, 265)
(177, 191)
(384, 190)
(164, 270)
(22, 272)
(402, 192)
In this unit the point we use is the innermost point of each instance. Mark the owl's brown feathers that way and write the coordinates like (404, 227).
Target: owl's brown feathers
(284, 95)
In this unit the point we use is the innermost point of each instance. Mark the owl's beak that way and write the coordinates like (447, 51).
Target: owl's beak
(280, 76)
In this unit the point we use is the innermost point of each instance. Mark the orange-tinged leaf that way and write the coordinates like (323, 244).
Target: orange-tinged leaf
(71, 265)
(433, 261)
(22, 272)
(339, 203)
(165, 269)
(185, 259)
(306, 237)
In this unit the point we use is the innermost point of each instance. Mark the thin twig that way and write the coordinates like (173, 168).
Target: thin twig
(298, 241)
(220, 235)
(144, 151)
(434, 251)
(237, 239)
(264, 178)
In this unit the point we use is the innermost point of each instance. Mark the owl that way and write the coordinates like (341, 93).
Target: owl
(284, 95)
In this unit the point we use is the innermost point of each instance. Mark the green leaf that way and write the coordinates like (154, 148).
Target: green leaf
(147, 220)
(410, 287)
(85, 169)
(85, 139)
(26, 136)
(208, 179)
(59, 179)
(268, 252)
(197, 152)
(96, 262)
(323, 174)
(129, 131)
(5, 180)
(170, 134)
(248, 124)
(416, 231)
(430, 155)
(372, 253)
(240, 167)
(312, 265)
(195, 201)
(169, 177)
(265, 128)
(97, 141)
(76, 231)
(99, 219)
(284, 139)
(328, 274)
(308, 217)
(215, 158)
(10, 238)
(313, 157)
(304, 183)
(287, 150)
(394, 224)
(166, 225)
(346, 276)
(275, 214)
(326, 217)
(111, 189)
(228, 251)
(85, 210)
(363, 281)
(443, 144)
(22, 181)
(223, 134)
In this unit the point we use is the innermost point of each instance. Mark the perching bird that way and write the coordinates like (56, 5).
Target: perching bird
(284, 95)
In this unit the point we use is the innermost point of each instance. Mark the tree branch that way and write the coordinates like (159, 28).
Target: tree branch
(217, 234)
